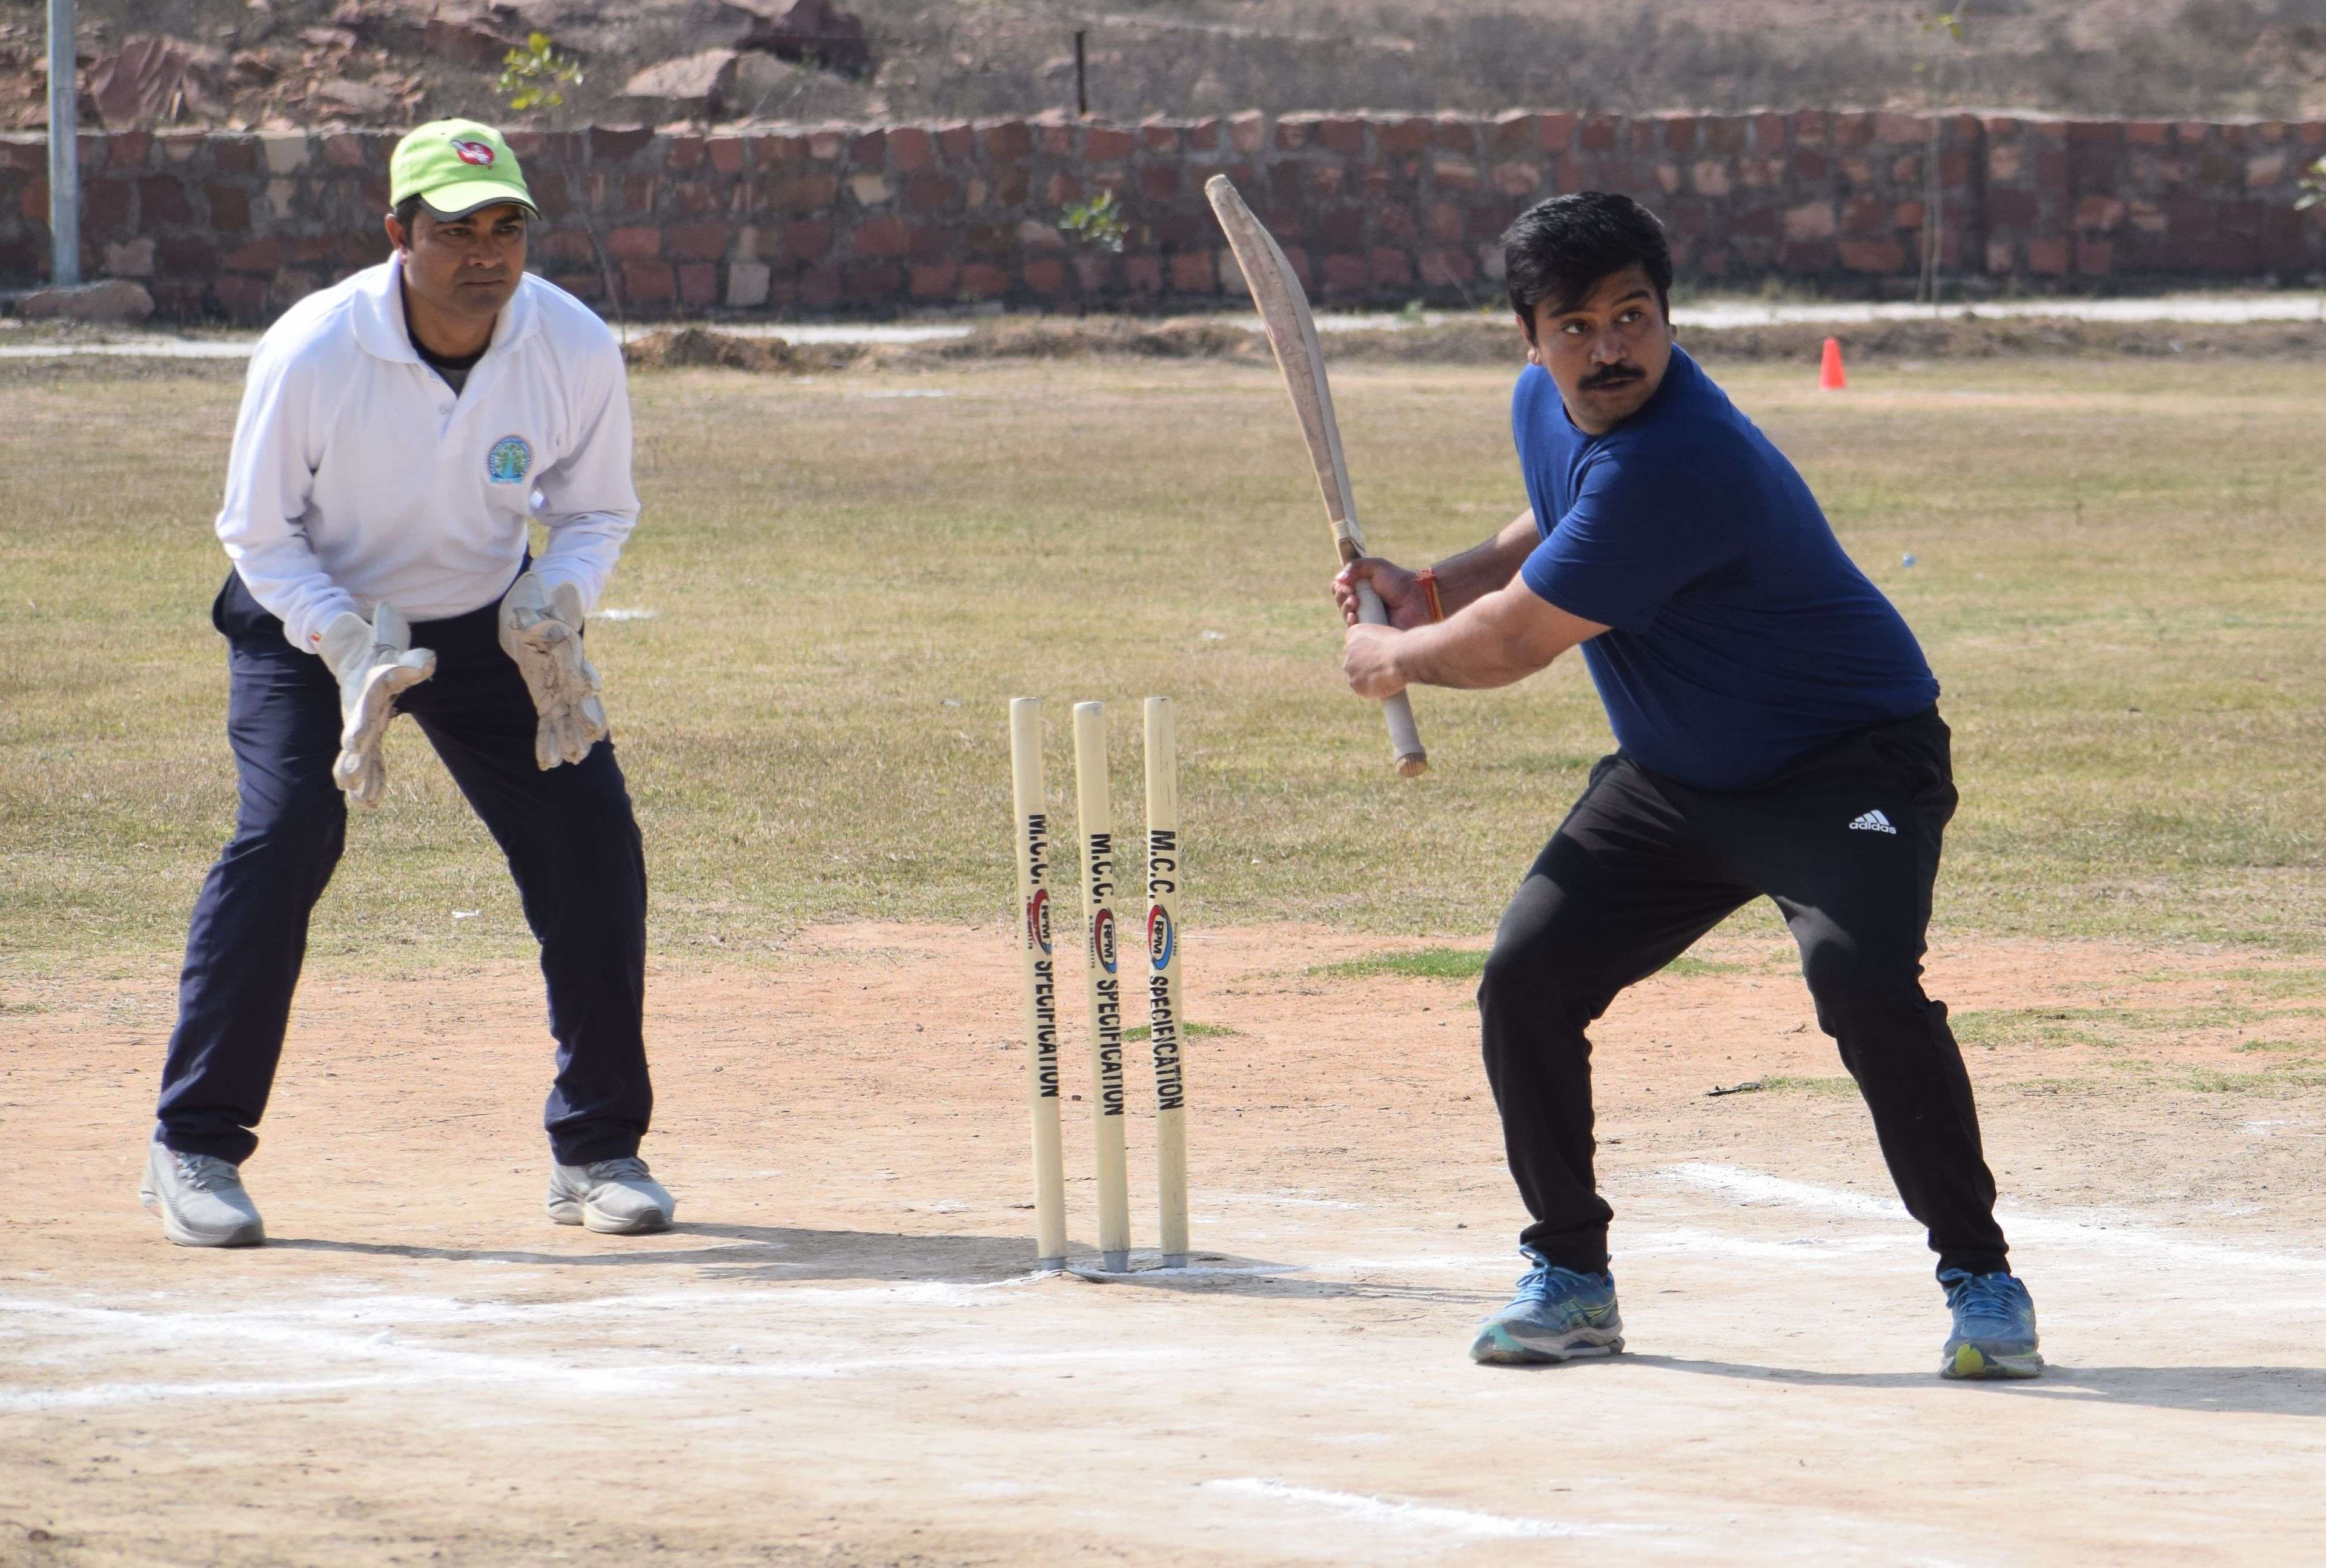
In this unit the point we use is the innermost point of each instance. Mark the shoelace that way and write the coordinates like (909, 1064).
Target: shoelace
(1547, 1279)
(614, 1170)
(204, 1172)
(1987, 1296)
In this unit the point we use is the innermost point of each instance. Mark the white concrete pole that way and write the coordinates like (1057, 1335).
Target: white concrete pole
(64, 146)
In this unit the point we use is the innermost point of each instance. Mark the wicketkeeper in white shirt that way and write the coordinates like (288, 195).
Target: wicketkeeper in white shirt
(396, 433)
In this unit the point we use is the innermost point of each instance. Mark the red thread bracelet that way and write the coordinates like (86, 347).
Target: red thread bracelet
(1428, 579)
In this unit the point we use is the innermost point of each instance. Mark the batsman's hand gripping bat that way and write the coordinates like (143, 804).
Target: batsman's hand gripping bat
(1283, 308)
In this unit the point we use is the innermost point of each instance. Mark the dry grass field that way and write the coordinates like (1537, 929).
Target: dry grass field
(838, 1356)
(845, 577)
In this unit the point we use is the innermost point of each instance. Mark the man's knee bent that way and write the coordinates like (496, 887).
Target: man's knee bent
(1855, 990)
(305, 825)
(1543, 982)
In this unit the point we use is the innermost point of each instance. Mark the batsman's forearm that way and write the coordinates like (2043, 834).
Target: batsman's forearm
(1479, 570)
(1461, 653)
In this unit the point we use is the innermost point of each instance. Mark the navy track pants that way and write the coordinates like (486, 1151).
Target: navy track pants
(571, 839)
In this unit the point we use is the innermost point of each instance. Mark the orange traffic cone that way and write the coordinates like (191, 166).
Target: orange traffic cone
(1829, 372)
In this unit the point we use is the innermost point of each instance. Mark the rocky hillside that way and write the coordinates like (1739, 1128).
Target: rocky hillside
(287, 62)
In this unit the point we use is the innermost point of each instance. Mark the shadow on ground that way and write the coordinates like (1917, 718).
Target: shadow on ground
(775, 1254)
(2240, 1390)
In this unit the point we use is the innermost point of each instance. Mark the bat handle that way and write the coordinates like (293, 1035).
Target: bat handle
(1412, 761)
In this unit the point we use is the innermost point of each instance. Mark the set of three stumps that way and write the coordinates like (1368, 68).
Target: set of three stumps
(1292, 335)
(1098, 857)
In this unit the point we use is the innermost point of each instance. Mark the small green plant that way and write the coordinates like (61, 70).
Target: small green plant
(1192, 1031)
(1685, 965)
(535, 75)
(1837, 1087)
(1097, 222)
(2314, 186)
(1429, 964)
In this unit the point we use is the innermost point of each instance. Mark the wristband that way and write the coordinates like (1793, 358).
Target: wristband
(1428, 579)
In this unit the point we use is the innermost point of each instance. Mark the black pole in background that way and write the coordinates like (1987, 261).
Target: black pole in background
(1082, 75)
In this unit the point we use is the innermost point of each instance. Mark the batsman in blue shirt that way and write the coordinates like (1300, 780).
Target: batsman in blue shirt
(1777, 734)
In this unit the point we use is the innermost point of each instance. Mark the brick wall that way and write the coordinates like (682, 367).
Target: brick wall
(1373, 209)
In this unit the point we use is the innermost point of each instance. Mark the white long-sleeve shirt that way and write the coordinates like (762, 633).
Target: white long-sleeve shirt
(359, 477)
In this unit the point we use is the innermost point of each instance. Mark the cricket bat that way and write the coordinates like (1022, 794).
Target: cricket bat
(1283, 308)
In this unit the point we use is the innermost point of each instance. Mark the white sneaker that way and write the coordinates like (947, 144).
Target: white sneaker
(200, 1200)
(616, 1197)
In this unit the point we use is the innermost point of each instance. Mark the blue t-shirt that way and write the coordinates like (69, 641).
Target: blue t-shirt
(1740, 636)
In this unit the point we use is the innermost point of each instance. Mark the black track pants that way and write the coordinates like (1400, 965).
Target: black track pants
(1846, 843)
(571, 842)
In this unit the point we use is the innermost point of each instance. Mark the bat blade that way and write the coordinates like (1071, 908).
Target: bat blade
(1283, 306)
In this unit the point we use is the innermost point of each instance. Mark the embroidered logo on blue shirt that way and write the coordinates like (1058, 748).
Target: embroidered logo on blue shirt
(509, 462)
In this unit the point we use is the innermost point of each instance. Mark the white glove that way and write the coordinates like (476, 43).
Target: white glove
(374, 662)
(541, 630)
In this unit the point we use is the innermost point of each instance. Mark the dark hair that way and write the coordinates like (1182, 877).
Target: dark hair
(1560, 250)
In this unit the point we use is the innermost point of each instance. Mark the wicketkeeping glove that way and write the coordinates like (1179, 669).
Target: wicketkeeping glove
(541, 629)
(375, 660)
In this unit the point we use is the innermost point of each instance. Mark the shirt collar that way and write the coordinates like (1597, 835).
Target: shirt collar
(381, 329)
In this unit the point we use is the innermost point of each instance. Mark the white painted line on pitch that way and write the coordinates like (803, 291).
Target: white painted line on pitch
(370, 1322)
(421, 1366)
(1278, 1200)
(1755, 1187)
(1685, 1241)
(99, 1395)
(1358, 1507)
(623, 1382)
(2053, 1229)
(1430, 1263)
(181, 1328)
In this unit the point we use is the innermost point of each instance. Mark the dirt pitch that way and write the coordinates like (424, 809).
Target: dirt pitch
(838, 1356)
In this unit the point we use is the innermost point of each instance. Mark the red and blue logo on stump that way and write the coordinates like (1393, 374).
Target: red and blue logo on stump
(1103, 940)
(1159, 936)
(1038, 919)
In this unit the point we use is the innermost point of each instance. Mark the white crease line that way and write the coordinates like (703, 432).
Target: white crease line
(1684, 1239)
(179, 1329)
(2051, 1229)
(371, 1313)
(98, 1395)
(1753, 1187)
(1361, 1508)
(626, 1381)
(1662, 1239)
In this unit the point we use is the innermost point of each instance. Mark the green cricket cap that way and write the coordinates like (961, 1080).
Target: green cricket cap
(456, 166)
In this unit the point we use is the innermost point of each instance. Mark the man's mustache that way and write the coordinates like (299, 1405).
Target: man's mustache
(1614, 376)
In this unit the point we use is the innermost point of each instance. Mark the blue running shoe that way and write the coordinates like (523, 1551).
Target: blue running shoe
(1995, 1327)
(1556, 1315)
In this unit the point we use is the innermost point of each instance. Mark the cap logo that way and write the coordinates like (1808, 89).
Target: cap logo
(472, 152)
